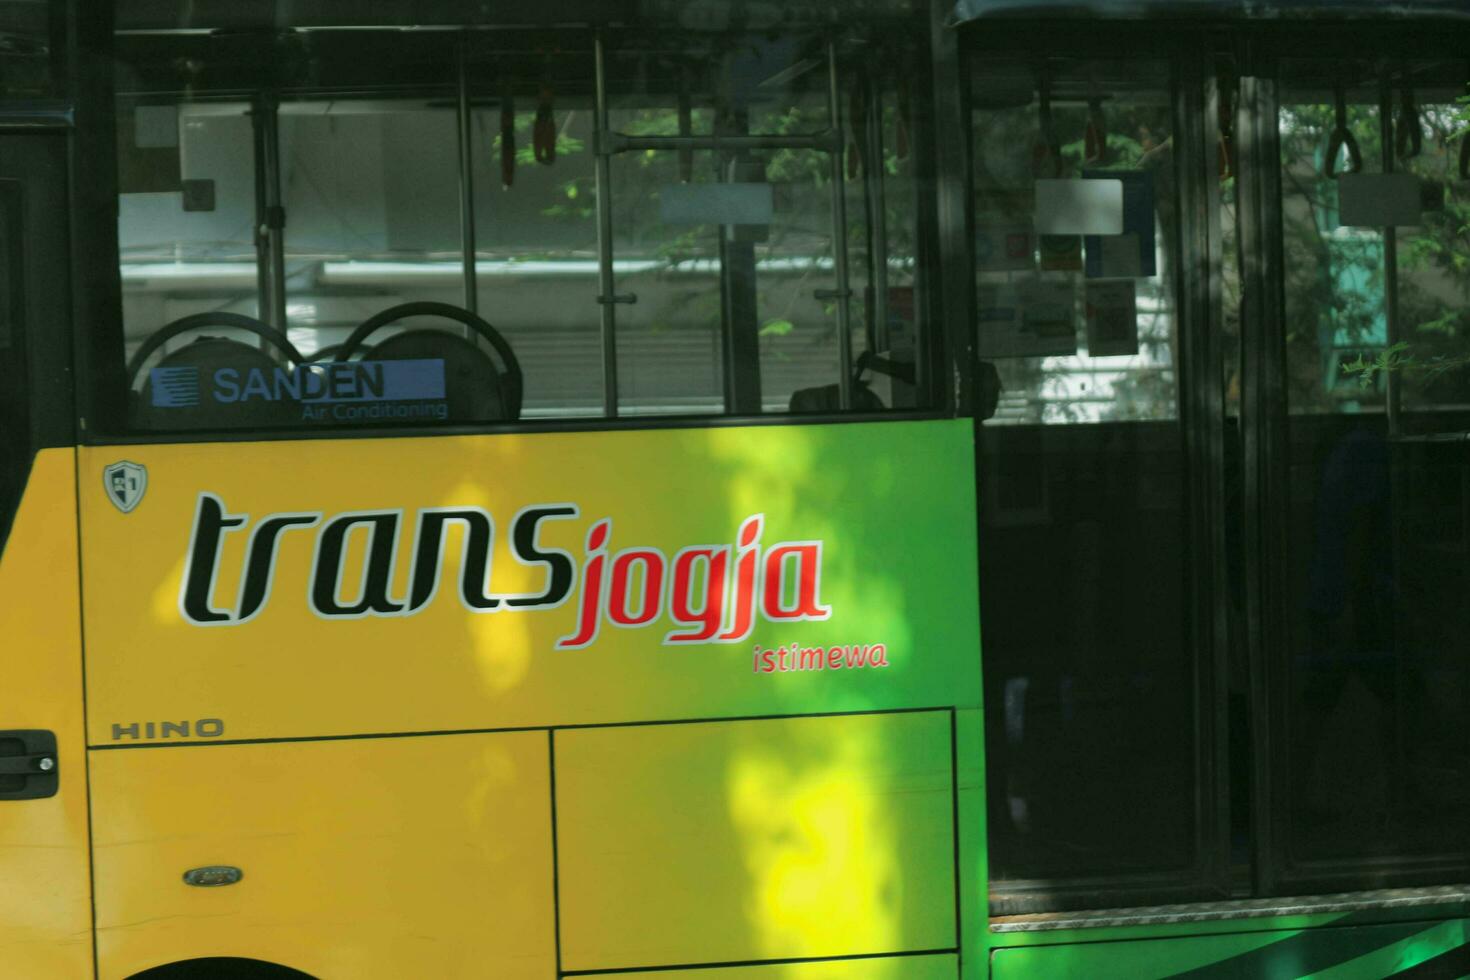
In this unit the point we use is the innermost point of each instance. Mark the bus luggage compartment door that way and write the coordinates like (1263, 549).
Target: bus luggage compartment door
(781, 839)
(426, 856)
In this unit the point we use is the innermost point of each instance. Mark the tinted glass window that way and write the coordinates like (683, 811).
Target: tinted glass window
(324, 227)
(33, 53)
(1372, 674)
(1088, 656)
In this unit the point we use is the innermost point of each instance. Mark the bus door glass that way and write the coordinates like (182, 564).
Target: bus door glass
(1092, 673)
(1373, 764)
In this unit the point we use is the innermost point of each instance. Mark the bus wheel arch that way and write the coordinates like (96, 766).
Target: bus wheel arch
(221, 968)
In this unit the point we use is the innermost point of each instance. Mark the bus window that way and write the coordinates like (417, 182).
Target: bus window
(535, 233)
(361, 238)
(684, 221)
(32, 61)
(776, 305)
(1081, 327)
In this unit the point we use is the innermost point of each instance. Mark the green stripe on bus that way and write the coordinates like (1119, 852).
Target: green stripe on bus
(1404, 954)
(1309, 952)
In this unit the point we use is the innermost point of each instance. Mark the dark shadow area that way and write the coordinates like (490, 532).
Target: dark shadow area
(222, 968)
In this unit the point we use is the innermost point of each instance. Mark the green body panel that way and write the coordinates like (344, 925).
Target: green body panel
(1339, 952)
(939, 967)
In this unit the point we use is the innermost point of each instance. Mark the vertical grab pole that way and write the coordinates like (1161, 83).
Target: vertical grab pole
(270, 230)
(839, 233)
(1393, 396)
(1393, 393)
(465, 121)
(606, 298)
(874, 174)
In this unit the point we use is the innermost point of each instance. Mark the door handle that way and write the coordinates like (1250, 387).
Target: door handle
(28, 765)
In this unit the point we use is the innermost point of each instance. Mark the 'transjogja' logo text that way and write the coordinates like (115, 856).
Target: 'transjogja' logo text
(713, 593)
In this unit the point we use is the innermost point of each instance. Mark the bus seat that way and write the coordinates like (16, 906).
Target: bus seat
(478, 387)
(827, 398)
(474, 388)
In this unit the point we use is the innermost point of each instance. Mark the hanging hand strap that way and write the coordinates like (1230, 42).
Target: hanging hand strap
(901, 125)
(507, 139)
(1047, 147)
(1095, 137)
(686, 128)
(543, 131)
(1408, 137)
(1225, 117)
(857, 115)
(1342, 138)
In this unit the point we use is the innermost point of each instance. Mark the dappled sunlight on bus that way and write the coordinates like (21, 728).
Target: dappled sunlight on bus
(818, 844)
(164, 602)
(809, 484)
(501, 645)
(502, 656)
(501, 775)
(770, 474)
(841, 829)
(755, 840)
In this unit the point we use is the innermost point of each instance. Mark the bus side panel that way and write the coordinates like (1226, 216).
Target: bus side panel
(742, 841)
(1344, 953)
(866, 531)
(935, 967)
(362, 858)
(45, 908)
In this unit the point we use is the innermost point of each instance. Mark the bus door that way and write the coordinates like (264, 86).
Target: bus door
(45, 926)
(1221, 275)
(1086, 188)
(1362, 465)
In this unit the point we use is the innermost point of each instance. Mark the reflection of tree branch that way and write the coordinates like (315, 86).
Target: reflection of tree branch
(1313, 207)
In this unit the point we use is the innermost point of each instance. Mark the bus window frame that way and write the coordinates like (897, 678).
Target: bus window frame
(103, 388)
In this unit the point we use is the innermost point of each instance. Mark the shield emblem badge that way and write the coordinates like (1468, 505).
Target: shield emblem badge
(125, 483)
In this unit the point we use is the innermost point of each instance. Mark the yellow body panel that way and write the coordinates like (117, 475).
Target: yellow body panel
(45, 913)
(385, 780)
(940, 967)
(755, 840)
(867, 492)
(362, 858)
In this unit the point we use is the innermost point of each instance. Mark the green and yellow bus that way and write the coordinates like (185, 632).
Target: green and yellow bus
(517, 490)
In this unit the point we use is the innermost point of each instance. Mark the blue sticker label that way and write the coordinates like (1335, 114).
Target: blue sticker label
(175, 387)
(332, 382)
